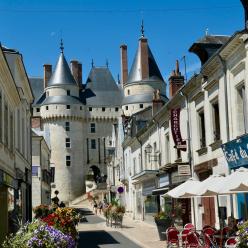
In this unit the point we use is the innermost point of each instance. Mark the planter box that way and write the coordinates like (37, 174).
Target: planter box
(162, 226)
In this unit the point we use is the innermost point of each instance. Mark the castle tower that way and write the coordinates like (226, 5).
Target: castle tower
(61, 111)
(143, 79)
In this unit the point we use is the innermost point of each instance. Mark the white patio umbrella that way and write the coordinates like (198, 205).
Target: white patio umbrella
(181, 189)
(208, 187)
(236, 182)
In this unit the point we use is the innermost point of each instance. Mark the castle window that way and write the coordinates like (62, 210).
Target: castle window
(46, 107)
(68, 160)
(93, 144)
(141, 105)
(128, 92)
(68, 106)
(126, 107)
(81, 108)
(67, 142)
(68, 92)
(37, 109)
(116, 109)
(92, 127)
(90, 109)
(103, 109)
(67, 126)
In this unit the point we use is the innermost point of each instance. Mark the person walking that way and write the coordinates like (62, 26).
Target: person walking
(100, 207)
(95, 207)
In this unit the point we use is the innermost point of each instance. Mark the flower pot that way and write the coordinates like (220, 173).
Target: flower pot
(162, 225)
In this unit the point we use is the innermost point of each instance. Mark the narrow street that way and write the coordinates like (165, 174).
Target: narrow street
(94, 233)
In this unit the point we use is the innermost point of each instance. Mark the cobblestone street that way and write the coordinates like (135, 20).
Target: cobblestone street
(134, 234)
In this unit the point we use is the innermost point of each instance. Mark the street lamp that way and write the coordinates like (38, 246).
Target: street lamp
(148, 149)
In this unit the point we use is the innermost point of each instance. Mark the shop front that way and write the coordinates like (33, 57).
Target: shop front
(236, 154)
(8, 192)
(151, 202)
(146, 204)
(163, 187)
(181, 208)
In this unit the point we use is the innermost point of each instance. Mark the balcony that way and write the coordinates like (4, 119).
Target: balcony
(145, 175)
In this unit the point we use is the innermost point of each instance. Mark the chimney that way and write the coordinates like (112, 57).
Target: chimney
(176, 80)
(47, 74)
(144, 58)
(124, 69)
(74, 69)
(157, 102)
(80, 74)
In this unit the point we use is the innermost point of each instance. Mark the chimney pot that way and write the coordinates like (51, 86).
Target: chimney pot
(47, 74)
(76, 70)
(176, 80)
(124, 64)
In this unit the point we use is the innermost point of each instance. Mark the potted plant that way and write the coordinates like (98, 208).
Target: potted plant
(242, 233)
(163, 221)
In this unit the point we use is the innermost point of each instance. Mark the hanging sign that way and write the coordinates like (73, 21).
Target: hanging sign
(175, 129)
(236, 152)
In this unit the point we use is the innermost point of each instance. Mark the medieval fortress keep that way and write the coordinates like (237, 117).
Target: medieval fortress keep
(78, 118)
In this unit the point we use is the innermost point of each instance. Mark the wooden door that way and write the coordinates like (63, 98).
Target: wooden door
(208, 217)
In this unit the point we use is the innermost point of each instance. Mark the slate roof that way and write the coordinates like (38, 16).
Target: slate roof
(141, 98)
(214, 39)
(135, 72)
(37, 88)
(103, 88)
(62, 100)
(62, 73)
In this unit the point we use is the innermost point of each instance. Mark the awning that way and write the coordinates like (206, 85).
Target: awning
(160, 191)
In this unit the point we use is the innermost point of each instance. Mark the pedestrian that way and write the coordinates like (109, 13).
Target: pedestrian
(95, 207)
(62, 205)
(100, 206)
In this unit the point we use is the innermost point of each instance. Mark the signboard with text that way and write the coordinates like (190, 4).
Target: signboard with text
(175, 129)
(236, 152)
(184, 170)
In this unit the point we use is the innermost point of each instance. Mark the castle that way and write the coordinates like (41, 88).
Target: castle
(78, 119)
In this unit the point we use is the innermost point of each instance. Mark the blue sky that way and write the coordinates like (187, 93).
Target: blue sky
(96, 28)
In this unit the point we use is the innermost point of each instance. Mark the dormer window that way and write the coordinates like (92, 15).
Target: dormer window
(68, 92)
(68, 106)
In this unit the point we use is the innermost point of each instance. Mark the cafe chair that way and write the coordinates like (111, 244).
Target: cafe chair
(172, 237)
(189, 226)
(231, 243)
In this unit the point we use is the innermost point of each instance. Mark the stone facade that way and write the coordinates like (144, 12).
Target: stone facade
(77, 119)
(15, 140)
(41, 170)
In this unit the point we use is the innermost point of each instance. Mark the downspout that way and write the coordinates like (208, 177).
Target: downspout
(223, 63)
(159, 162)
(141, 165)
(159, 140)
(190, 149)
(141, 154)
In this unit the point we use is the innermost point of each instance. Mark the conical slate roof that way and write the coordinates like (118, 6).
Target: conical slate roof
(62, 73)
(135, 72)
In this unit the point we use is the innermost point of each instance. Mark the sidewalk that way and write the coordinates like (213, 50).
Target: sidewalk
(143, 234)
